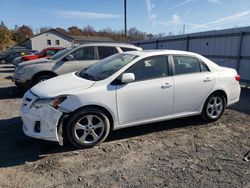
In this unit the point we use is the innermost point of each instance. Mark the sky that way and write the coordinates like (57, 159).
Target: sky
(151, 16)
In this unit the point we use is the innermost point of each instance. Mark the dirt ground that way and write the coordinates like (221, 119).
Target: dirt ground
(181, 153)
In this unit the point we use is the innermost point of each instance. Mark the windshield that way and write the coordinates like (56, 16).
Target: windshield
(36, 53)
(62, 52)
(106, 67)
(41, 53)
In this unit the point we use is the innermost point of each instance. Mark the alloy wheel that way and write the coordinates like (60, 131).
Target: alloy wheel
(215, 107)
(89, 129)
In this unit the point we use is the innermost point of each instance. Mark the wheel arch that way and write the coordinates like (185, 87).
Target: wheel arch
(42, 73)
(220, 92)
(103, 109)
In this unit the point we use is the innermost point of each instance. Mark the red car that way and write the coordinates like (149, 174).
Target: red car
(45, 53)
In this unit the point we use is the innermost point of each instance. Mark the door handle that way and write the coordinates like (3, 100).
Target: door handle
(207, 80)
(166, 85)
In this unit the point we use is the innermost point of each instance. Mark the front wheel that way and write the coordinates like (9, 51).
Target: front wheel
(88, 127)
(41, 78)
(213, 108)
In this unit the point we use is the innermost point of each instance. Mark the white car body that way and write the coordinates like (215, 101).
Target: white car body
(27, 72)
(129, 104)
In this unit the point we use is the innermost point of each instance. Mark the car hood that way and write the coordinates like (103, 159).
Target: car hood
(30, 57)
(35, 61)
(66, 84)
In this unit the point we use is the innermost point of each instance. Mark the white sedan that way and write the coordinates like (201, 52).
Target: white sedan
(124, 90)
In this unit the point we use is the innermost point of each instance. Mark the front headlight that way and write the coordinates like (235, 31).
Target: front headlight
(53, 102)
(22, 70)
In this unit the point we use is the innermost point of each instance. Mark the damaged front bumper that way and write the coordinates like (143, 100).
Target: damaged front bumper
(39, 123)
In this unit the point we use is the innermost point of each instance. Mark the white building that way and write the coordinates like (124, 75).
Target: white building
(54, 38)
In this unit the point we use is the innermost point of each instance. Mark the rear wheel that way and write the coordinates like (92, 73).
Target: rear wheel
(88, 127)
(214, 107)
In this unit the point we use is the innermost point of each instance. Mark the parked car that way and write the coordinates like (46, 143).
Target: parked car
(12, 48)
(3, 56)
(16, 53)
(127, 89)
(16, 47)
(70, 59)
(45, 53)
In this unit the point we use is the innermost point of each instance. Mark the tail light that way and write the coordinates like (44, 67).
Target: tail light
(237, 77)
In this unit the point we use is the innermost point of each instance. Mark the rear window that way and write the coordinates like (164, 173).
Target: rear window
(106, 51)
(127, 49)
(187, 65)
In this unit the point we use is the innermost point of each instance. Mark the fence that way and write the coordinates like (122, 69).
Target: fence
(230, 48)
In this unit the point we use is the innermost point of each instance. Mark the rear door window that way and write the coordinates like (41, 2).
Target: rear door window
(186, 65)
(86, 53)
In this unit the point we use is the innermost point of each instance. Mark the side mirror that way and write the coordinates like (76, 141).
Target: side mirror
(127, 77)
(69, 57)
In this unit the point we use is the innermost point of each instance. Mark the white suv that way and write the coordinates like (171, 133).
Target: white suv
(70, 59)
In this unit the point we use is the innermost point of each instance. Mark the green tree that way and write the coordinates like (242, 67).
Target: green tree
(88, 31)
(22, 33)
(44, 29)
(74, 30)
(61, 30)
(134, 34)
(5, 38)
(2, 24)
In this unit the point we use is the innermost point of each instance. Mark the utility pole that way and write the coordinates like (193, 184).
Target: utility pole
(125, 17)
(183, 30)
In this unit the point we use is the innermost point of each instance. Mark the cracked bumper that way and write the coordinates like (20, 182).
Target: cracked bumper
(46, 117)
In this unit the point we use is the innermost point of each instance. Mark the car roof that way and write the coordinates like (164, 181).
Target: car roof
(110, 44)
(53, 48)
(147, 53)
(160, 52)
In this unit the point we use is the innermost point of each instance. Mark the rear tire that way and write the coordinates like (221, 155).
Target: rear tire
(88, 127)
(213, 107)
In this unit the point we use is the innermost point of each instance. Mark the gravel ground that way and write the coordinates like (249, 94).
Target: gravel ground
(181, 153)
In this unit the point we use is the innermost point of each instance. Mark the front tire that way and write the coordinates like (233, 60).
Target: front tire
(41, 78)
(88, 127)
(213, 107)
